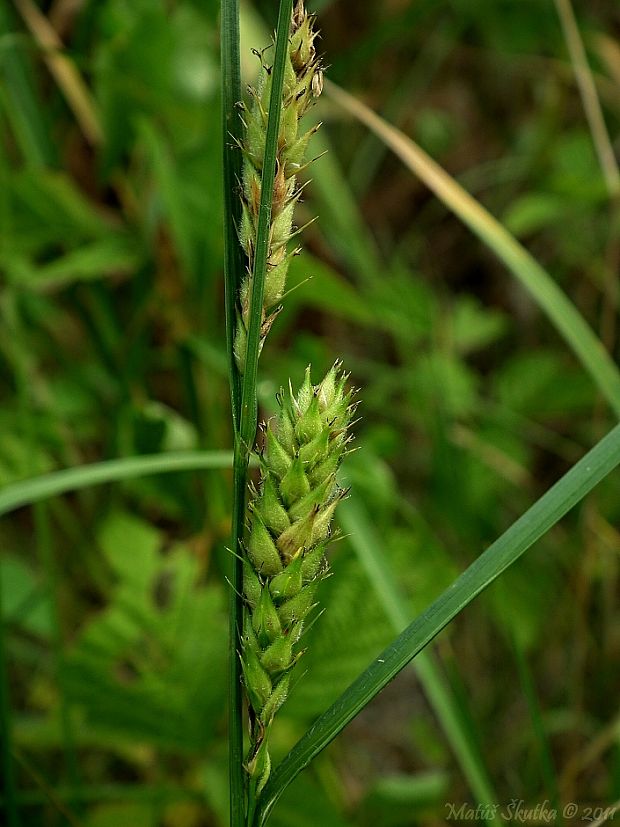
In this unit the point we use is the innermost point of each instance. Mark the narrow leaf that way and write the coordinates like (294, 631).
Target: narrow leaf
(544, 514)
(34, 489)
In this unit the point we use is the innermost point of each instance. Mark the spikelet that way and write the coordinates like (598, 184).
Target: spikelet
(303, 82)
(290, 527)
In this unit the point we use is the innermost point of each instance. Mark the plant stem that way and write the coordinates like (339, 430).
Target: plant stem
(236, 772)
(233, 270)
(231, 157)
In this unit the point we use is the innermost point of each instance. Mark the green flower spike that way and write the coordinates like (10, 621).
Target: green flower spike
(290, 527)
(303, 82)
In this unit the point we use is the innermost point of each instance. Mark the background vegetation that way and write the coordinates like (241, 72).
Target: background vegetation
(112, 345)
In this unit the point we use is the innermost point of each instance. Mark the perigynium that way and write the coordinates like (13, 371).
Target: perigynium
(303, 82)
(289, 529)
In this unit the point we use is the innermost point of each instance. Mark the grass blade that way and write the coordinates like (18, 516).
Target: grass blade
(550, 508)
(64, 71)
(35, 489)
(356, 524)
(545, 292)
(589, 97)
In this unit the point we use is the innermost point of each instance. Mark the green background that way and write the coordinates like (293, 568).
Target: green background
(112, 345)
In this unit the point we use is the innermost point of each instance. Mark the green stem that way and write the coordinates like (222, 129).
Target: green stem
(233, 272)
(251, 805)
(245, 412)
(237, 775)
(231, 134)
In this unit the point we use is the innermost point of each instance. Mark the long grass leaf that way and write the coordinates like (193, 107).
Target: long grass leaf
(589, 97)
(32, 490)
(545, 292)
(64, 71)
(536, 521)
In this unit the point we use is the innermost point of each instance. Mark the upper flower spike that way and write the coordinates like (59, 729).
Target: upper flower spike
(303, 83)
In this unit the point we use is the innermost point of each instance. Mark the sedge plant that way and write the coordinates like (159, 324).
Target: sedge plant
(281, 531)
(280, 535)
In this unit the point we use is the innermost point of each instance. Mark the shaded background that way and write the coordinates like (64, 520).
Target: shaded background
(112, 344)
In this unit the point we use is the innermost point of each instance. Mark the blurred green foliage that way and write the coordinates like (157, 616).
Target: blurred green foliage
(112, 344)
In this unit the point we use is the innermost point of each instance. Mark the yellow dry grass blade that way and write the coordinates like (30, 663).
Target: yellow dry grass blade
(63, 71)
(541, 287)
